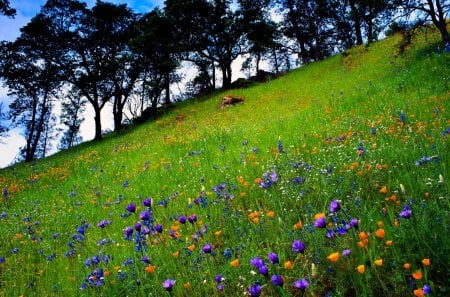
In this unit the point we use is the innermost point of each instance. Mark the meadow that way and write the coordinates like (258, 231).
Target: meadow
(332, 180)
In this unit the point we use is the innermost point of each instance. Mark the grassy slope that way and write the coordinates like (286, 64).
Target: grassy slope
(167, 159)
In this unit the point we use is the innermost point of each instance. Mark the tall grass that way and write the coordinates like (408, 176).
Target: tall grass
(348, 156)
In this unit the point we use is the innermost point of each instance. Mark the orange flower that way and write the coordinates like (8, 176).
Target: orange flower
(380, 233)
(319, 215)
(258, 180)
(417, 275)
(255, 220)
(383, 190)
(379, 262)
(427, 195)
(362, 235)
(426, 262)
(361, 268)
(406, 266)
(150, 268)
(176, 254)
(191, 247)
(288, 265)
(333, 257)
(187, 285)
(235, 263)
(298, 225)
(271, 214)
(380, 224)
(418, 292)
(389, 242)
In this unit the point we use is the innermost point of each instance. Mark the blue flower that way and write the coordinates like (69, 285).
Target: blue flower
(207, 248)
(273, 258)
(255, 290)
(406, 212)
(277, 280)
(334, 206)
(168, 284)
(298, 246)
(257, 262)
(301, 284)
(131, 207)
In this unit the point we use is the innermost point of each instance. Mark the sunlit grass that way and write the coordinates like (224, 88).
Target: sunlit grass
(367, 129)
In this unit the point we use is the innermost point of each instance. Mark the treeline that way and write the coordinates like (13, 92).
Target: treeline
(71, 55)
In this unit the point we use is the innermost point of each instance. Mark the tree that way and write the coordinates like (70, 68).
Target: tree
(5, 8)
(435, 10)
(3, 129)
(72, 116)
(32, 81)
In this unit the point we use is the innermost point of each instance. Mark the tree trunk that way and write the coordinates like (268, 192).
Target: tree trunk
(167, 102)
(438, 17)
(98, 123)
(213, 75)
(356, 18)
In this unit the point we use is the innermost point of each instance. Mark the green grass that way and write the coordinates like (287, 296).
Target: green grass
(351, 129)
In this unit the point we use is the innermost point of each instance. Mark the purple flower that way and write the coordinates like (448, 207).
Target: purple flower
(192, 219)
(145, 215)
(147, 202)
(334, 206)
(218, 278)
(298, 246)
(257, 262)
(145, 259)
(128, 231)
(159, 228)
(277, 280)
(263, 270)
(104, 223)
(138, 226)
(2, 259)
(329, 234)
(273, 258)
(254, 290)
(320, 222)
(131, 207)
(301, 284)
(182, 220)
(354, 223)
(346, 252)
(207, 248)
(220, 288)
(426, 289)
(168, 284)
(406, 212)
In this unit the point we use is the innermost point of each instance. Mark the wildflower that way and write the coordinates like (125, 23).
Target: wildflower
(426, 289)
(346, 252)
(320, 222)
(380, 233)
(418, 292)
(406, 212)
(159, 228)
(104, 223)
(207, 248)
(280, 147)
(333, 257)
(406, 266)
(389, 242)
(383, 190)
(417, 275)
(131, 207)
(235, 263)
(288, 265)
(298, 225)
(263, 270)
(277, 280)
(271, 214)
(273, 258)
(182, 220)
(168, 284)
(354, 223)
(147, 202)
(255, 290)
(298, 246)
(192, 219)
(150, 268)
(128, 231)
(257, 262)
(426, 262)
(361, 150)
(379, 262)
(145, 215)
(301, 284)
(219, 288)
(361, 268)
(145, 259)
(334, 206)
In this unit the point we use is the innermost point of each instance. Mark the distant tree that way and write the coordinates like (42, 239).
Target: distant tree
(5, 8)
(72, 111)
(32, 81)
(3, 128)
(436, 11)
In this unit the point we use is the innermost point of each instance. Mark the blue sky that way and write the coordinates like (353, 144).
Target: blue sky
(10, 30)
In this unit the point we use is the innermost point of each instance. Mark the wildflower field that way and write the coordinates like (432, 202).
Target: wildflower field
(332, 180)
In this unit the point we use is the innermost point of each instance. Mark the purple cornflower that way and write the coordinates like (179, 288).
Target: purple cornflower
(159, 228)
(298, 246)
(147, 202)
(168, 284)
(218, 278)
(320, 222)
(145, 259)
(257, 262)
(354, 223)
(301, 284)
(145, 215)
(406, 212)
(192, 219)
(182, 220)
(138, 226)
(334, 206)
(273, 258)
(346, 252)
(277, 280)
(263, 270)
(207, 248)
(254, 290)
(131, 207)
(128, 232)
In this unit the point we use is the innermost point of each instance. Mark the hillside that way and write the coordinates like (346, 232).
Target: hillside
(340, 169)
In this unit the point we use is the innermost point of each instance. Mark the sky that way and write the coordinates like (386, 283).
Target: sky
(10, 30)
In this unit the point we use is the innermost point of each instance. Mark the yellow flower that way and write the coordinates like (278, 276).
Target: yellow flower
(379, 262)
(187, 285)
(333, 257)
(361, 268)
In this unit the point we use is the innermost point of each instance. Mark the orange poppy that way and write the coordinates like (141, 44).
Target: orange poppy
(419, 292)
(150, 268)
(235, 263)
(361, 268)
(406, 266)
(417, 275)
(298, 225)
(379, 262)
(383, 190)
(288, 265)
(426, 262)
(380, 233)
(333, 257)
